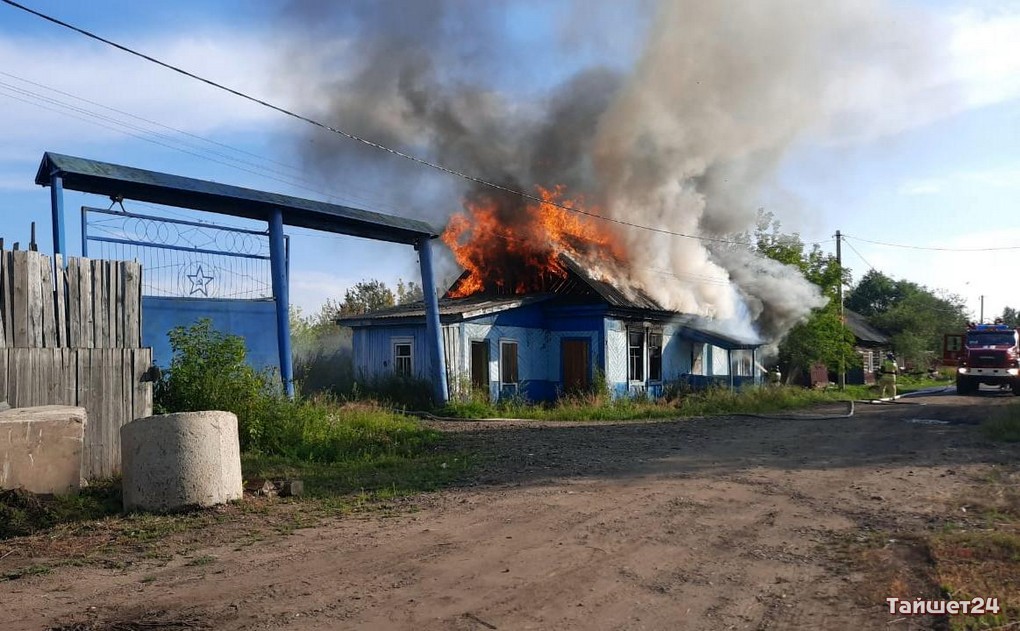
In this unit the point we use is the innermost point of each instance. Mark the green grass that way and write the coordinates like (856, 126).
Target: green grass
(979, 563)
(22, 513)
(1004, 424)
(593, 407)
(912, 383)
(205, 559)
(346, 455)
(356, 481)
(31, 570)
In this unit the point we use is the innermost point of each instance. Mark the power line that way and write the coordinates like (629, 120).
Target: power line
(859, 255)
(929, 248)
(354, 137)
(40, 100)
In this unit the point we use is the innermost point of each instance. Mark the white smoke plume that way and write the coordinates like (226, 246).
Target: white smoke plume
(682, 138)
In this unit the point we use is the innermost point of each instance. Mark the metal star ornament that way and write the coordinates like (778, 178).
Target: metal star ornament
(199, 282)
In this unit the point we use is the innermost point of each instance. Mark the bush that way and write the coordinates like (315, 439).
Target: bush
(209, 372)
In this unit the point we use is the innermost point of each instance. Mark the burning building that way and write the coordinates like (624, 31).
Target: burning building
(542, 308)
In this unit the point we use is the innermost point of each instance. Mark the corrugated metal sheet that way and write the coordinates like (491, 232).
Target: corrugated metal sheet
(104, 178)
(866, 334)
(624, 297)
(450, 309)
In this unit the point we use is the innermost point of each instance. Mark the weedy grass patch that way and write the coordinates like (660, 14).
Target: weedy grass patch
(982, 563)
(1004, 424)
(676, 402)
(980, 555)
(23, 513)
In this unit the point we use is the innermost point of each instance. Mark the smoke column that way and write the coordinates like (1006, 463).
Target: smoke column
(682, 135)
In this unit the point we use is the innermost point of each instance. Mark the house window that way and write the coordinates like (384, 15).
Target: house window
(508, 363)
(636, 355)
(655, 356)
(403, 357)
(868, 361)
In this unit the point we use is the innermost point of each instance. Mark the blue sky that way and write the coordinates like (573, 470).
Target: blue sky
(930, 176)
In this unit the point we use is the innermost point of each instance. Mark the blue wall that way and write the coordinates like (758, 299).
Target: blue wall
(254, 320)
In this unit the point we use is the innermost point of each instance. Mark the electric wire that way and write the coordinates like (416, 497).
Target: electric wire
(78, 112)
(356, 138)
(929, 248)
(861, 256)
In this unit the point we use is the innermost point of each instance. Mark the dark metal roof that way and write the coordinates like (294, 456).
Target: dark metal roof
(629, 298)
(103, 178)
(701, 330)
(866, 334)
(450, 310)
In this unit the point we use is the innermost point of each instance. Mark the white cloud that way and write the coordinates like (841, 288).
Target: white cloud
(920, 187)
(949, 62)
(985, 51)
(1001, 177)
(113, 78)
(310, 289)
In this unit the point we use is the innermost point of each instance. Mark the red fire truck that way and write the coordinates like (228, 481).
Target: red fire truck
(990, 355)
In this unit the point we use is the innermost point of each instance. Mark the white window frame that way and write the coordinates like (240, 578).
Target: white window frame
(644, 354)
(402, 341)
(646, 330)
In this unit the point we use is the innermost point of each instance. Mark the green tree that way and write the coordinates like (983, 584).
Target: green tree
(914, 316)
(365, 296)
(1011, 317)
(408, 292)
(876, 293)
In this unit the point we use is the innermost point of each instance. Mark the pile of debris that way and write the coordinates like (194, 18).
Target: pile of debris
(274, 488)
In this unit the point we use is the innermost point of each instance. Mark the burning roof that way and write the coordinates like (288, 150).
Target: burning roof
(511, 245)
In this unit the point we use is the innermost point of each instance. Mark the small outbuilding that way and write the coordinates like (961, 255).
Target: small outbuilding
(870, 343)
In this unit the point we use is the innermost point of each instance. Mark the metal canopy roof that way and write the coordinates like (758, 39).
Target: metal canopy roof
(103, 178)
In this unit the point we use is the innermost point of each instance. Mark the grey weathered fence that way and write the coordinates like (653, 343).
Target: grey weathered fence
(72, 336)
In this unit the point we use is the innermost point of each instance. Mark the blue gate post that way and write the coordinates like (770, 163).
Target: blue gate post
(281, 295)
(57, 210)
(433, 330)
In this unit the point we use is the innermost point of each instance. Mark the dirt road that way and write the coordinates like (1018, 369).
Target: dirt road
(725, 523)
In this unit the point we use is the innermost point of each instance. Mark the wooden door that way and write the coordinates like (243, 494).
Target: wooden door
(576, 368)
(480, 365)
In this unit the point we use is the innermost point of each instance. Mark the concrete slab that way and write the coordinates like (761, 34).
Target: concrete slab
(41, 448)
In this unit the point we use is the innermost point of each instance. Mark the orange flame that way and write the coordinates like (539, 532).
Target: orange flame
(506, 246)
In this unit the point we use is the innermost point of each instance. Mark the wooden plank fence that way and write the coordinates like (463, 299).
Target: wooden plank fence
(72, 336)
(90, 304)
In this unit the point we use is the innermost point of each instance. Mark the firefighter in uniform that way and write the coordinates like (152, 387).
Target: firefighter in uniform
(889, 371)
(775, 377)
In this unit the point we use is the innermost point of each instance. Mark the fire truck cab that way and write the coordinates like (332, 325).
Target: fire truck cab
(990, 355)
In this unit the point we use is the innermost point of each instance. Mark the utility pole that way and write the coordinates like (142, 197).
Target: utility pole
(981, 320)
(842, 319)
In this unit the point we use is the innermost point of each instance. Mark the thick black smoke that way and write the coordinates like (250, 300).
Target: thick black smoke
(681, 134)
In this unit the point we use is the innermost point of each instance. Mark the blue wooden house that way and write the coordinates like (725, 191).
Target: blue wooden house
(543, 344)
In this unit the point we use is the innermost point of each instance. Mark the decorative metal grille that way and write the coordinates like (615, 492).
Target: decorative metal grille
(182, 258)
